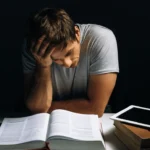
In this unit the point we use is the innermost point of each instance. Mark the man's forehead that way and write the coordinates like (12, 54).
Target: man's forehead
(57, 53)
(61, 51)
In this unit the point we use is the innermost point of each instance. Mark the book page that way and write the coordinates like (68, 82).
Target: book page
(24, 129)
(85, 126)
(74, 125)
(59, 123)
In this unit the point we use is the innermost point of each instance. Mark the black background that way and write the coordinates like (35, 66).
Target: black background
(130, 22)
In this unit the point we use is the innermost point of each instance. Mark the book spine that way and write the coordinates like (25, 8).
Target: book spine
(127, 132)
(126, 141)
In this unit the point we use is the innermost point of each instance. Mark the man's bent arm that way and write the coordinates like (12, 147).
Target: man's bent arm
(38, 98)
(99, 91)
(75, 105)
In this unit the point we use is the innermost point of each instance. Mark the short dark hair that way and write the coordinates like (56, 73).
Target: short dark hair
(55, 23)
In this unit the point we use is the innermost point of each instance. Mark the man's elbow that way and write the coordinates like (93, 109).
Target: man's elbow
(96, 109)
(38, 108)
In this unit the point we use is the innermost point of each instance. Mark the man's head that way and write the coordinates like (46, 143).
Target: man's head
(60, 32)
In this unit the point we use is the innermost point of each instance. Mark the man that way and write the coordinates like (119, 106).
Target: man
(68, 66)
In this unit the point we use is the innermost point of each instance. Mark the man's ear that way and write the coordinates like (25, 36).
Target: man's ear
(77, 32)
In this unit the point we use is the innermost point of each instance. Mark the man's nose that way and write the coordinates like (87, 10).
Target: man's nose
(67, 62)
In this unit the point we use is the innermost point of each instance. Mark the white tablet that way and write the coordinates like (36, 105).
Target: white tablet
(135, 115)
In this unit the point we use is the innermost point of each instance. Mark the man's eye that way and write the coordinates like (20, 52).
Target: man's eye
(56, 60)
(68, 53)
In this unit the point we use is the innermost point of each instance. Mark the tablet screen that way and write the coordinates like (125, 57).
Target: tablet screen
(137, 115)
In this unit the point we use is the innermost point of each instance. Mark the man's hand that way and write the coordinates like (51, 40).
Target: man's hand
(41, 52)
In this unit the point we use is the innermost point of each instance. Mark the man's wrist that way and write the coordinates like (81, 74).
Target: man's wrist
(42, 66)
(43, 73)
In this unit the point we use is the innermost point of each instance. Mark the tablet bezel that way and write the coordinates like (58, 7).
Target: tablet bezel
(116, 115)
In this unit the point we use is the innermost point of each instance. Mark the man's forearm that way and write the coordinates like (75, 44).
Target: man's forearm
(40, 96)
(83, 106)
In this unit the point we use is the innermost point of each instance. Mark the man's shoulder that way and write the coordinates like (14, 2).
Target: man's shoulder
(95, 32)
(94, 29)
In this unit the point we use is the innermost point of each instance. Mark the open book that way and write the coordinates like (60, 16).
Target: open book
(63, 130)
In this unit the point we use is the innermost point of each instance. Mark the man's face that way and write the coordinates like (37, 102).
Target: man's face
(69, 56)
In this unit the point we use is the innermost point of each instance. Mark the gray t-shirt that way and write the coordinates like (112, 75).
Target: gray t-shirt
(98, 55)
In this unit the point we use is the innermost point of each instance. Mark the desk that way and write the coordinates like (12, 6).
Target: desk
(111, 141)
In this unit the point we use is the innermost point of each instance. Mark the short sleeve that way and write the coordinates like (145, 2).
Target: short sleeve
(104, 52)
(28, 61)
